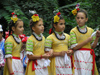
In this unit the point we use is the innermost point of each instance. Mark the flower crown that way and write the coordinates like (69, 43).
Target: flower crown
(35, 16)
(14, 17)
(56, 18)
(74, 12)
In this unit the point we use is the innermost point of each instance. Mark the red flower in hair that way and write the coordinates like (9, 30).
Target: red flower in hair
(78, 9)
(35, 14)
(50, 31)
(12, 13)
(16, 15)
(58, 13)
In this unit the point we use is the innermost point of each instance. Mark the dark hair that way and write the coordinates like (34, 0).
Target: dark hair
(12, 24)
(34, 23)
(55, 23)
(84, 11)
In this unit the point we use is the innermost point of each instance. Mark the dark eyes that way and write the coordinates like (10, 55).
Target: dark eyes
(80, 17)
(41, 25)
(62, 23)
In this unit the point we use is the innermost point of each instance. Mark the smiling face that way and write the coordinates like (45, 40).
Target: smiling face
(60, 26)
(38, 28)
(81, 19)
(19, 28)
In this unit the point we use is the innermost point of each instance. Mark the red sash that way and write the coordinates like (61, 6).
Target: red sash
(16, 57)
(33, 64)
(92, 53)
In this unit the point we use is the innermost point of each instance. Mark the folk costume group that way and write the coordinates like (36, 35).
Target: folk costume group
(58, 54)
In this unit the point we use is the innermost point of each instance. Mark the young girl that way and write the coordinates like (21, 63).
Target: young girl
(58, 41)
(35, 48)
(13, 65)
(82, 43)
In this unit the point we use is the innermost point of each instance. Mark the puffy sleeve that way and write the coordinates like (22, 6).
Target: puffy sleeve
(48, 44)
(8, 49)
(29, 47)
(73, 42)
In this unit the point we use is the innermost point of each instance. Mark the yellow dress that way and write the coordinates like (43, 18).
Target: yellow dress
(83, 59)
(36, 47)
(57, 65)
(12, 49)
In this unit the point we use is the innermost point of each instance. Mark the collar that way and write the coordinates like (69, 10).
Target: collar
(62, 37)
(38, 37)
(82, 26)
(16, 38)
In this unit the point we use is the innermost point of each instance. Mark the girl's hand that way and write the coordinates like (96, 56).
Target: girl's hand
(98, 33)
(62, 53)
(69, 52)
(51, 52)
(46, 55)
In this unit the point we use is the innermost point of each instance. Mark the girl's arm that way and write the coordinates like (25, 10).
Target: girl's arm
(33, 57)
(9, 65)
(80, 45)
(96, 40)
(62, 53)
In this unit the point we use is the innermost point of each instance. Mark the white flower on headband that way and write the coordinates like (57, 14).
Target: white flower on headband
(55, 11)
(32, 12)
(1, 28)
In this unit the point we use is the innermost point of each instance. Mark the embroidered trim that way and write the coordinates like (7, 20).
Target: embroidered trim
(37, 37)
(74, 45)
(82, 68)
(8, 55)
(64, 74)
(82, 61)
(47, 49)
(30, 53)
(62, 37)
(18, 40)
(82, 31)
(63, 67)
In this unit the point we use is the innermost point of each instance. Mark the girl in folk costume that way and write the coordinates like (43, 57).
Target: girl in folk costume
(38, 62)
(82, 43)
(13, 65)
(59, 42)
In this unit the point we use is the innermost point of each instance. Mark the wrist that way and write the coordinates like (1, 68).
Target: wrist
(72, 51)
(41, 57)
(12, 73)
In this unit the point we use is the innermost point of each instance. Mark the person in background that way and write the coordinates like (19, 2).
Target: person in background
(2, 51)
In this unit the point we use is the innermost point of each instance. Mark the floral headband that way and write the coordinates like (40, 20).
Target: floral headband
(57, 17)
(35, 16)
(14, 17)
(74, 12)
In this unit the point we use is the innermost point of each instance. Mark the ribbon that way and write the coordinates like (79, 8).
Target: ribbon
(34, 62)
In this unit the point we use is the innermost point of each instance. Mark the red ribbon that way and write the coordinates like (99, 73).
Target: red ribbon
(34, 62)
(16, 57)
(50, 31)
(92, 53)
(72, 61)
